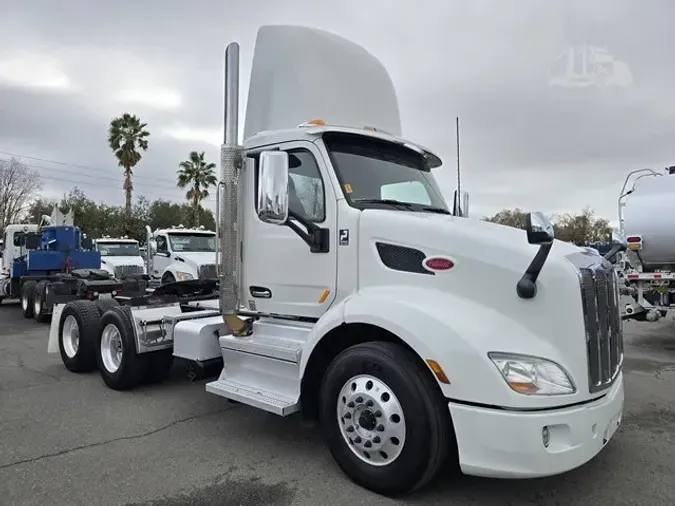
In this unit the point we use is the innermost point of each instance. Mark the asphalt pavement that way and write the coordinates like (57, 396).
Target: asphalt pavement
(66, 439)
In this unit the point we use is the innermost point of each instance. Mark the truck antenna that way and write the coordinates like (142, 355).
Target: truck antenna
(459, 175)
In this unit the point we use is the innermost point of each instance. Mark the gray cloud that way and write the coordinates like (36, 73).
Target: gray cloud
(524, 143)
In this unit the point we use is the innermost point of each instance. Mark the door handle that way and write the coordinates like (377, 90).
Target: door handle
(260, 292)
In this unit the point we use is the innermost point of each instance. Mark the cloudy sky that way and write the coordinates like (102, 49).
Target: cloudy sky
(68, 66)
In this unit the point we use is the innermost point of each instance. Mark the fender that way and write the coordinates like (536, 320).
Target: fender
(182, 267)
(455, 332)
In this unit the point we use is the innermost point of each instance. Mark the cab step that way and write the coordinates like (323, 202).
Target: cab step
(262, 369)
(272, 402)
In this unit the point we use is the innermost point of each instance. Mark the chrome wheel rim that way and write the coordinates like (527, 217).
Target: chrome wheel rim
(111, 348)
(371, 420)
(24, 301)
(70, 336)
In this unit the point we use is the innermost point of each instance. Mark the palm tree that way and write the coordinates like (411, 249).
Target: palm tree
(126, 136)
(199, 176)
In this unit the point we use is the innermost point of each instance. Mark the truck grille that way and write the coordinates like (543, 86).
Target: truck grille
(208, 271)
(122, 271)
(604, 332)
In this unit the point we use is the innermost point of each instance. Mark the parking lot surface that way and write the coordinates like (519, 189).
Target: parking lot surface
(66, 439)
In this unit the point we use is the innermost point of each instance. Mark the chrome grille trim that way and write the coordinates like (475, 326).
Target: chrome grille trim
(602, 321)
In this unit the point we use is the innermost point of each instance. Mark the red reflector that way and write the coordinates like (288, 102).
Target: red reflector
(657, 276)
(633, 239)
(438, 264)
(633, 276)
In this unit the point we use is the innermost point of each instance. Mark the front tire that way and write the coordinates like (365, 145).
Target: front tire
(384, 419)
(168, 278)
(121, 367)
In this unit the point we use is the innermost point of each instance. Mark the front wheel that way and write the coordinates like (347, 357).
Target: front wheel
(385, 421)
(168, 278)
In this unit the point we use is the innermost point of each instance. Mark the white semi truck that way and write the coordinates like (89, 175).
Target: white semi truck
(181, 254)
(646, 219)
(350, 293)
(120, 256)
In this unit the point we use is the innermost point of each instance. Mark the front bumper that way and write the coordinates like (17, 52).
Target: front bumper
(508, 444)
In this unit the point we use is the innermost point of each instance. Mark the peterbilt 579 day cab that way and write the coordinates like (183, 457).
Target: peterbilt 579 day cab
(180, 254)
(350, 293)
(646, 219)
(120, 256)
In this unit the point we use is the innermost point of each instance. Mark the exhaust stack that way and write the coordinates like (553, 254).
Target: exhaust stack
(148, 253)
(231, 164)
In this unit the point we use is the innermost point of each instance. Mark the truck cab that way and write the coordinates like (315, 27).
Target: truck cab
(13, 247)
(120, 256)
(181, 254)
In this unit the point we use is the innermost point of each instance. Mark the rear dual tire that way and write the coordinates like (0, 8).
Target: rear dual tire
(121, 367)
(385, 421)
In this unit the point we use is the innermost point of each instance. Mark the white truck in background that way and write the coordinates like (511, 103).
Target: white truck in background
(647, 220)
(180, 254)
(120, 256)
(360, 303)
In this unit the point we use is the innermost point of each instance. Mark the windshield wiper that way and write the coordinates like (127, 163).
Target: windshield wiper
(438, 210)
(405, 205)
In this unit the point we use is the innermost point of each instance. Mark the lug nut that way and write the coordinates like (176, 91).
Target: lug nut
(350, 429)
(350, 404)
(380, 428)
(369, 403)
(348, 416)
(378, 413)
(368, 444)
(359, 399)
(376, 439)
(357, 439)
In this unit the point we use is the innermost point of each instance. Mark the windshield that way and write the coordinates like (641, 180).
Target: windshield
(192, 242)
(118, 249)
(374, 171)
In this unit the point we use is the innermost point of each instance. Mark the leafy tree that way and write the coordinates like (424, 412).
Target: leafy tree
(578, 228)
(199, 175)
(126, 136)
(582, 228)
(515, 218)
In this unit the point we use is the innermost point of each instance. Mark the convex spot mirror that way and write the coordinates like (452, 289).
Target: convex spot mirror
(273, 187)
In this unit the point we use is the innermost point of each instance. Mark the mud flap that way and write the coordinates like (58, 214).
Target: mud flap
(53, 343)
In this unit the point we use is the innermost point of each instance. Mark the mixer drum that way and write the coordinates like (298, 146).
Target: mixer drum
(650, 212)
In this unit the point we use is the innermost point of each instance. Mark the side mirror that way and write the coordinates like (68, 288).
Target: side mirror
(152, 246)
(86, 243)
(539, 229)
(619, 244)
(273, 187)
(619, 238)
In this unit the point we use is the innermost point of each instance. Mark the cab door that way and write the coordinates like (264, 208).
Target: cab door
(280, 273)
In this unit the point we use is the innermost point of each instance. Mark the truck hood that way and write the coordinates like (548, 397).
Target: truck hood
(115, 261)
(196, 259)
(489, 260)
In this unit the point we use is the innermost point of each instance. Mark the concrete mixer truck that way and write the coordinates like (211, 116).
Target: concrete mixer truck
(647, 221)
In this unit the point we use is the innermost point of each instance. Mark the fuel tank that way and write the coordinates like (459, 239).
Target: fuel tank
(649, 212)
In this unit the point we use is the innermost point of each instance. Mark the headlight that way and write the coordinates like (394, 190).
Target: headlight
(184, 276)
(532, 375)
